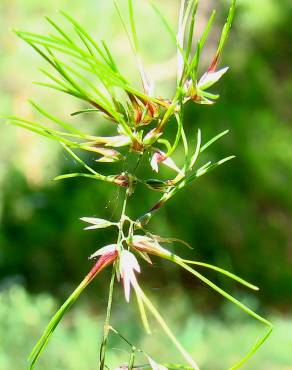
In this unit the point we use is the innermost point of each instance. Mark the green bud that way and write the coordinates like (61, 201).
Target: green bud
(157, 185)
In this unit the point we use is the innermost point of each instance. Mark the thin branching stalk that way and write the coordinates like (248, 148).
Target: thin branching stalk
(106, 324)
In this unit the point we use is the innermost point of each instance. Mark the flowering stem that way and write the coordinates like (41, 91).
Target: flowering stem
(106, 326)
(107, 321)
(129, 115)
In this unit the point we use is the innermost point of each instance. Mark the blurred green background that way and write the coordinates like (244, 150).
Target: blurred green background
(238, 217)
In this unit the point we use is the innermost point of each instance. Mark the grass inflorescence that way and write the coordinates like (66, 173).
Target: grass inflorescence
(88, 71)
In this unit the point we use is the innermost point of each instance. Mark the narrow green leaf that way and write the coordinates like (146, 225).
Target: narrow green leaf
(192, 27)
(49, 42)
(201, 172)
(224, 160)
(40, 129)
(43, 341)
(193, 66)
(56, 87)
(123, 22)
(204, 167)
(61, 32)
(197, 151)
(86, 34)
(46, 40)
(65, 125)
(89, 110)
(226, 28)
(99, 97)
(186, 147)
(167, 330)
(164, 21)
(79, 160)
(59, 67)
(257, 345)
(72, 175)
(61, 82)
(208, 95)
(84, 40)
(180, 41)
(110, 57)
(169, 29)
(143, 314)
(166, 143)
(177, 137)
(224, 272)
(133, 26)
(38, 50)
(233, 300)
(213, 140)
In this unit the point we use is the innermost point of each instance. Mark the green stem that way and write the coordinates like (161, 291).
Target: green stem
(107, 321)
(132, 358)
(106, 326)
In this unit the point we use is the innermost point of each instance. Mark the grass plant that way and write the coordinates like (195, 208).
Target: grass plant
(87, 70)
